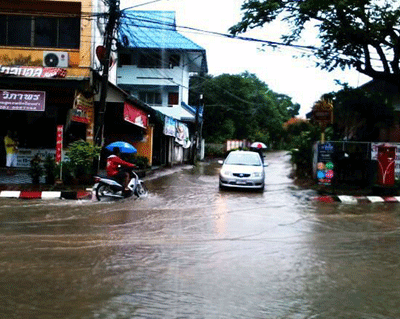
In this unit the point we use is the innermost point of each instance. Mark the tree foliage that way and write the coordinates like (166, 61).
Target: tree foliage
(241, 107)
(359, 113)
(362, 34)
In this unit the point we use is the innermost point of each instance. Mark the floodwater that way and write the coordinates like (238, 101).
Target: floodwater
(189, 250)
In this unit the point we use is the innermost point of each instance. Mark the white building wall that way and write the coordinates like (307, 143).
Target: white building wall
(162, 77)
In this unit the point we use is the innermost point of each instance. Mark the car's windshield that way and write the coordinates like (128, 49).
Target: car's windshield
(243, 159)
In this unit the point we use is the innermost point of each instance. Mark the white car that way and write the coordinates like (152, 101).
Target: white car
(242, 169)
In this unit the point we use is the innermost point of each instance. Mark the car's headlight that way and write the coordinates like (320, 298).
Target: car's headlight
(257, 174)
(226, 172)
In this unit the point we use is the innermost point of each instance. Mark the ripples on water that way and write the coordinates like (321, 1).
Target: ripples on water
(192, 251)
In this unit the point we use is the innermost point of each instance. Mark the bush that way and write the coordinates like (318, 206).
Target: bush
(36, 170)
(80, 155)
(215, 150)
(141, 162)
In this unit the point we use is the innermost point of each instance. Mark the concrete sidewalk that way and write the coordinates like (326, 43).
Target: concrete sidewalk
(20, 185)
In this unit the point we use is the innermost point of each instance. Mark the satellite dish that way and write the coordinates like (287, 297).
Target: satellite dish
(51, 60)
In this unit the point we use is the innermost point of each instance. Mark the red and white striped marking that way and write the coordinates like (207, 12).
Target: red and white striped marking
(45, 194)
(357, 199)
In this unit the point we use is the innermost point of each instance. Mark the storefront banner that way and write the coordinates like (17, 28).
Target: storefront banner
(33, 71)
(82, 110)
(135, 116)
(25, 155)
(11, 100)
(325, 165)
(170, 126)
(182, 135)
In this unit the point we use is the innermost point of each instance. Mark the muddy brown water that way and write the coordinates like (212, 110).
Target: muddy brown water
(189, 250)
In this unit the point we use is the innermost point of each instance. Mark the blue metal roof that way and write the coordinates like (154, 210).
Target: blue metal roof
(153, 30)
(192, 109)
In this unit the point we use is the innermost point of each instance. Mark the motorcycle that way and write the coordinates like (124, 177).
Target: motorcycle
(106, 187)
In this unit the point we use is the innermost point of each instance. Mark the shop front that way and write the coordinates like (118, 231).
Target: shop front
(127, 122)
(33, 108)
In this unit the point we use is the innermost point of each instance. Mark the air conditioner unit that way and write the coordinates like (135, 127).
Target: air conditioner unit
(55, 59)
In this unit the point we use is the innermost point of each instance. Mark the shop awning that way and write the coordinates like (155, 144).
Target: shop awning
(135, 116)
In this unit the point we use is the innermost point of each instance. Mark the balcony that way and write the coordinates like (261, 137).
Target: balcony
(132, 75)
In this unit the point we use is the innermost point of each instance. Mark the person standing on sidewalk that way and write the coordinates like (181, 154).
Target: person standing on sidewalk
(11, 146)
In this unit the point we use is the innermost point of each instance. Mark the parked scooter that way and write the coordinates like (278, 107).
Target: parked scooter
(106, 187)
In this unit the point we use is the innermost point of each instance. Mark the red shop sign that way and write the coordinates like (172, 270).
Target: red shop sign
(59, 143)
(135, 116)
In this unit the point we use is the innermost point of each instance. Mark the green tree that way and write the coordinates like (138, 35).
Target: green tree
(241, 107)
(359, 114)
(300, 138)
(361, 34)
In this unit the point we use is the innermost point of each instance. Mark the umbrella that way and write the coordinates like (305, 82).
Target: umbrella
(124, 147)
(258, 145)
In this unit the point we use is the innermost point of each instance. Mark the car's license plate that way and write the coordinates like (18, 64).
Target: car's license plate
(241, 183)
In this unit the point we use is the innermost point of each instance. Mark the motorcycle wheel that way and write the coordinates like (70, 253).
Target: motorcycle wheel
(102, 190)
(141, 190)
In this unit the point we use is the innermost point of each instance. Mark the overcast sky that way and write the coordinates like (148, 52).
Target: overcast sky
(295, 77)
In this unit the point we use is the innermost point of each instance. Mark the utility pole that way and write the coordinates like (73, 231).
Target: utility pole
(113, 18)
(197, 133)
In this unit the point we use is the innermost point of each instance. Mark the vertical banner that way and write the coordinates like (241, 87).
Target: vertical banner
(59, 143)
(325, 166)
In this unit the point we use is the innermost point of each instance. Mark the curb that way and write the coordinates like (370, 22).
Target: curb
(357, 199)
(46, 194)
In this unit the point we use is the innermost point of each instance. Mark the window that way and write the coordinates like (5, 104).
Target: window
(124, 59)
(173, 98)
(69, 33)
(18, 30)
(174, 60)
(151, 98)
(44, 32)
(150, 60)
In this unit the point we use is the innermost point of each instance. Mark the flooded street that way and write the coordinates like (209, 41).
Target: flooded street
(189, 250)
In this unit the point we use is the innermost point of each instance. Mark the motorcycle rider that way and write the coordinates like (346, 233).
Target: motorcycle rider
(115, 168)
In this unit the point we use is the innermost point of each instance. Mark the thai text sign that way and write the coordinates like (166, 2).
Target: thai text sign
(33, 71)
(22, 100)
(59, 143)
(25, 155)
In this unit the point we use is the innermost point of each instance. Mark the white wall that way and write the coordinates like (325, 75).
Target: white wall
(177, 76)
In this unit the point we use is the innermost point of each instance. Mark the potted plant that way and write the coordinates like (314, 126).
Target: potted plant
(36, 169)
(80, 156)
(50, 169)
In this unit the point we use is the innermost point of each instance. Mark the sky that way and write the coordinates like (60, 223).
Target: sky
(296, 77)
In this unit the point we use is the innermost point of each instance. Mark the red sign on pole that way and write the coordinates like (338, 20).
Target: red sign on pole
(59, 144)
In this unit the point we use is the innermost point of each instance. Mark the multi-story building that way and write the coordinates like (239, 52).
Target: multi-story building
(154, 65)
(46, 58)
(50, 76)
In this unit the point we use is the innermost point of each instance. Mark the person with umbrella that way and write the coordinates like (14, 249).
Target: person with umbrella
(115, 168)
(259, 147)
